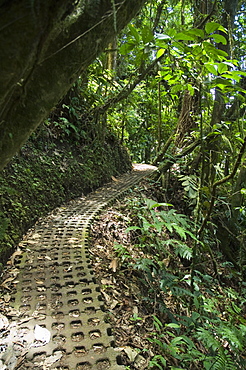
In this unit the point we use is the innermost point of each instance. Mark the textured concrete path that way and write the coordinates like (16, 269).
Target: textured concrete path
(57, 295)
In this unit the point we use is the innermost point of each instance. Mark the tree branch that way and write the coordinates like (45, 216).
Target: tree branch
(168, 164)
(126, 91)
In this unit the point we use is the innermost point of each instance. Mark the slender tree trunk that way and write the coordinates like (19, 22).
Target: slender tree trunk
(159, 134)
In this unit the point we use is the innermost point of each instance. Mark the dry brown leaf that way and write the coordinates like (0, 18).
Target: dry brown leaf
(15, 254)
(106, 282)
(131, 353)
(7, 297)
(114, 264)
(135, 310)
(114, 179)
(8, 280)
(4, 322)
(166, 261)
(140, 362)
(31, 241)
(107, 297)
(114, 304)
(50, 360)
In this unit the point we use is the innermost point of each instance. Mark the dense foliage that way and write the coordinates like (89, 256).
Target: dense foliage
(172, 88)
(181, 313)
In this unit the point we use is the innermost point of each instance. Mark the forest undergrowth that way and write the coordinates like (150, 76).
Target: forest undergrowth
(170, 307)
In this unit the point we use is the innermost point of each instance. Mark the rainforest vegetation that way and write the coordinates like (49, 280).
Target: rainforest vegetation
(170, 87)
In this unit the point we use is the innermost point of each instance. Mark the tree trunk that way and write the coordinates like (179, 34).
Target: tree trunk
(45, 46)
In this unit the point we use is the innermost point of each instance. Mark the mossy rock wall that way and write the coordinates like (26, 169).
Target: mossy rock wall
(47, 173)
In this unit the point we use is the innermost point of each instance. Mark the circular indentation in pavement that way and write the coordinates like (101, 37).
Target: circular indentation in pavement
(67, 277)
(41, 288)
(95, 334)
(55, 287)
(58, 326)
(103, 364)
(77, 337)
(93, 321)
(90, 310)
(70, 284)
(73, 302)
(59, 339)
(79, 351)
(83, 366)
(41, 306)
(41, 297)
(88, 300)
(72, 293)
(81, 274)
(25, 308)
(75, 324)
(98, 348)
(74, 313)
(26, 289)
(26, 298)
(57, 315)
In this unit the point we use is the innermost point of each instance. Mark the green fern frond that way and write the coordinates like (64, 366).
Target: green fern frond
(208, 339)
(223, 361)
(184, 251)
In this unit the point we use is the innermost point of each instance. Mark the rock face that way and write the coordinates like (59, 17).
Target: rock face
(45, 45)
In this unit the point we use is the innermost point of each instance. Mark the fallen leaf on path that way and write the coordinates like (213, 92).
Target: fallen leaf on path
(42, 334)
(140, 362)
(106, 282)
(8, 280)
(2, 366)
(49, 361)
(4, 322)
(6, 297)
(131, 353)
(114, 304)
(15, 254)
(107, 297)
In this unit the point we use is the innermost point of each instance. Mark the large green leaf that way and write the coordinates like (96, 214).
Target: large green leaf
(222, 67)
(127, 47)
(160, 52)
(185, 36)
(219, 39)
(197, 32)
(211, 68)
(211, 27)
(134, 32)
(147, 34)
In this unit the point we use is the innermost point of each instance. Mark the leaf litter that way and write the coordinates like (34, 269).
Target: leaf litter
(129, 315)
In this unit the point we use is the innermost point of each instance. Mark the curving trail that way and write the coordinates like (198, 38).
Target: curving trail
(62, 317)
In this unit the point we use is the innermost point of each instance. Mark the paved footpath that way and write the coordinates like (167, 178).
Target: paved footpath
(62, 317)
